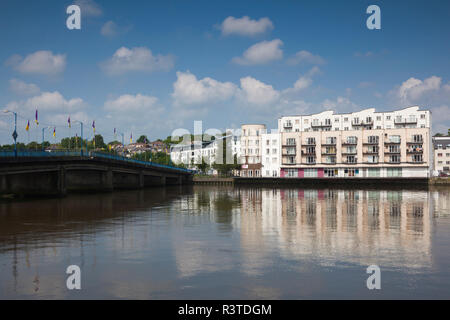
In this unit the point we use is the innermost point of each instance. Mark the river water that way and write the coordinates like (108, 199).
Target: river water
(198, 242)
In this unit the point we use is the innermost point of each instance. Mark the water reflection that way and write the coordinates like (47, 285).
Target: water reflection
(207, 242)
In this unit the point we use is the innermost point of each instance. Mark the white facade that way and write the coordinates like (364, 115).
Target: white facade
(271, 154)
(192, 154)
(441, 149)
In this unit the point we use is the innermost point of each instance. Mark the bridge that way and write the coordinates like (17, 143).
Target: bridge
(57, 173)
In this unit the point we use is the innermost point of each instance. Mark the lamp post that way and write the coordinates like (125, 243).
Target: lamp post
(14, 135)
(81, 132)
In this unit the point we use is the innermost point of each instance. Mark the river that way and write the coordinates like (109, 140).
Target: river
(219, 242)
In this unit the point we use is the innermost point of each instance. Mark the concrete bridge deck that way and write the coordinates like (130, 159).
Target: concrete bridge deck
(42, 174)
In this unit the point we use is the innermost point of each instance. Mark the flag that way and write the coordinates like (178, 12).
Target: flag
(131, 138)
(28, 125)
(54, 132)
(68, 120)
(93, 126)
(36, 118)
(109, 147)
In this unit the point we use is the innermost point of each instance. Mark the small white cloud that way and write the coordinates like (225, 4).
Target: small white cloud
(245, 26)
(132, 104)
(111, 29)
(305, 57)
(413, 89)
(303, 81)
(89, 8)
(261, 53)
(40, 62)
(341, 104)
(189, 90)
(23, 88)
(257, 92)
(139, 59)
(53, 101)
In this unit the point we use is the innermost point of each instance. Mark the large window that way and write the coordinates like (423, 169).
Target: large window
(373, 172)
(311, 173)
(292, 173)
(290, 141)
(352, 140)
(372, 139)
(394, 172)
(372, 159)
(331, 172)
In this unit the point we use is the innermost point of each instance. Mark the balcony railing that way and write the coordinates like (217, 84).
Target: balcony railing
(320, 125)
(287, 125)
(405, 121)
(362, 123)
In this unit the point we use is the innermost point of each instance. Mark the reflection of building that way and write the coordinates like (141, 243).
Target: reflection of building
(389, 228)
(441, 147)
(251, 149)
(360, 144)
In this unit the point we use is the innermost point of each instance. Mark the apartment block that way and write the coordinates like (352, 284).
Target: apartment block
(271, 154)
(360, 144)
(251, 149)
(441, 150)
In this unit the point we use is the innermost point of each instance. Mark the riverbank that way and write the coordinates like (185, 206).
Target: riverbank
(407, 183)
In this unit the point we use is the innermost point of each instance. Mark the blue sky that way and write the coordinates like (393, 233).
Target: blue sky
(149, 67)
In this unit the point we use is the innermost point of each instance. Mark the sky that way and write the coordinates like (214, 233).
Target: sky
(151, 67)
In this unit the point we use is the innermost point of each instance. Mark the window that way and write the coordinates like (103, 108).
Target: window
(310, 160)
(417, 138)
(290, 141)
(330, 160)
(368, 119)
(373, 139)
(378, 118)
(351, 159)
(305, 121)
(394, 159)
(291, 160)
(331, 140)
(372, 159)
(373, 172)
(417, 158)
(394, 172)
(297, 121)
(267, 151)
(422, 116)
(351, 172)
(394, 139)
(310, 173)
(330, 172)
(328, 122)
(292, 173)
(336, 119)
(352, 140)
(274, 151)
(394, 149)
(267, 142)
(345, 119)
(311, 141)
(388, 117)
(351, 149)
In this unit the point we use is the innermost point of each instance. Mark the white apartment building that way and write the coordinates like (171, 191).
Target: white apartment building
(250, 157)
(191, 154)
(441, 146)
(360, 144)
(271, 154)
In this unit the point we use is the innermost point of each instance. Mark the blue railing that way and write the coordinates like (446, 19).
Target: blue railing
(64, 153)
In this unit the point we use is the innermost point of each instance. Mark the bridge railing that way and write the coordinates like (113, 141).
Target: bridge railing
(65, 153)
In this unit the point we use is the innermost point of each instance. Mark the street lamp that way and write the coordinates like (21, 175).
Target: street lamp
(43, 137)
(81, 124)
(14, 135)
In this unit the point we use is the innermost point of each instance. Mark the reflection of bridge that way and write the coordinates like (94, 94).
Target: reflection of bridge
(56, 173)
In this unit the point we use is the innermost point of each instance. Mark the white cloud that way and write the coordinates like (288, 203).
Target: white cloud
(257, 92)
(245, 26)
(139, 59)
(305, 57)
(189, 90)
(53, 101)
(303, 81)
(341, 104)
(23, 88)
(137, 104)
(111, 29)
(261, 53)
(413, 89)
(39, 62)
(89, 8)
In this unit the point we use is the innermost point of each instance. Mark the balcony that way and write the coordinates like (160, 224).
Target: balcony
(368, 143)
(405, 121)
(349, 162)
(349, 152)
(415, 142)
(415, 151)
(310, 163)
(392, 142)
(392, 152)
(370, 152)
(289, 145)
(320, 125)
(288, 163)
(362, 123)
(350, 143)
(309, 143)
(324, 153)
(287, 154)
(287, 125)
(307, 153)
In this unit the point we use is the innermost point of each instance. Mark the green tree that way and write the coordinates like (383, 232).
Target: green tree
(142, 139)
(203, 166)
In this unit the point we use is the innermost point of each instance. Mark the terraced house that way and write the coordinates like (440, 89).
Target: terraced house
(360, 144)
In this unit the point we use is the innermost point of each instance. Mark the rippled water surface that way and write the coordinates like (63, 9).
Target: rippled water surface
(228, 243)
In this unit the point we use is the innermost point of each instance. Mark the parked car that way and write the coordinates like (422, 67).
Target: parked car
(443, 174)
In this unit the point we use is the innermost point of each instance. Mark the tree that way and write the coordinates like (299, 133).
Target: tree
(203, 166)
(142, 139)
(224, 165)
